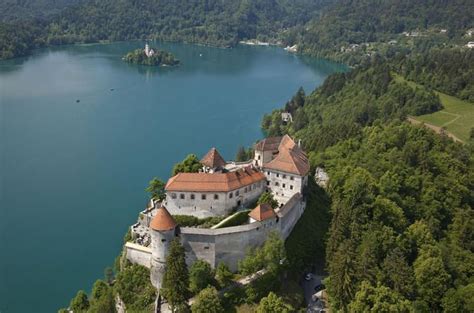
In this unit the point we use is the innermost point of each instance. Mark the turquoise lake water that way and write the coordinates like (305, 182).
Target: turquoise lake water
(73, 174)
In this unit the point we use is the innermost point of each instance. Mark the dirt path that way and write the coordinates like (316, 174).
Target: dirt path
(436, 129)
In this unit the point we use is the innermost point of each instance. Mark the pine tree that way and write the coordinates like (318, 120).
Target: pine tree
(156, 188)
(241, 155)
(223, 275)
(176, 278)
(80, 303)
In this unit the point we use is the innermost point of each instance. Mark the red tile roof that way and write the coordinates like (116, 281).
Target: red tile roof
(163, 220)
(292, 161)
(286, 143)
(268, 144)
(215, 182)
(290, 158)
(213, 159)
(262, 212)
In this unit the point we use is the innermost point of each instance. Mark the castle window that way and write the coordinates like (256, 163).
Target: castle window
(277, 184)
(181, 196)
(230, 195)
(278, 175)
(192, 196)
(268, 183)
(203, 196)
(291, 187)
(237, 193)
(291, 178)
(173, 196)
(163, 240)
(259, 157)
(284, 176)
(283, 185)
(216, 196)
(268, 173)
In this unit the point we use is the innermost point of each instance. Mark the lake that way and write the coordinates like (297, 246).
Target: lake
(82, 133)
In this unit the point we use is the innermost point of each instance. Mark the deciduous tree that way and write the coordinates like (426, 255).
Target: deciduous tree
(207, 301)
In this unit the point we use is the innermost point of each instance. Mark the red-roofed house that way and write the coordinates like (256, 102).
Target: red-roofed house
(285, 165)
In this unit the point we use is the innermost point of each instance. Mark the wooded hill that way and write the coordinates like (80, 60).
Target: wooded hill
(401, 196)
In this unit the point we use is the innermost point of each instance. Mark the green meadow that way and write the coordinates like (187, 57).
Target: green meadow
(457, 116)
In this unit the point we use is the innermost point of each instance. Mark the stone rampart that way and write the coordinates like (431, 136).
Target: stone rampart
(230, 244)
(138, 254)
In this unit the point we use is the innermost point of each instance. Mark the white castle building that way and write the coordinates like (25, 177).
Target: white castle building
(279, 166)
(285, 166)
(215, 191)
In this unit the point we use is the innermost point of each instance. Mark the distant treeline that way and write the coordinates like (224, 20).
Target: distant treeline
(213, 22)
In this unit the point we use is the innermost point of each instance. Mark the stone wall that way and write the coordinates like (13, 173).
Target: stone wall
(138, 254)
(230, 244)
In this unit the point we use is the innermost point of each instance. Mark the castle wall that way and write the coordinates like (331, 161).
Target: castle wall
(230, 244)
(138, 254)
(290, 214)
(210, 206)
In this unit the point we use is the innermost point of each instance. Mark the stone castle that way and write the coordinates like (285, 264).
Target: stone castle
(221, 188)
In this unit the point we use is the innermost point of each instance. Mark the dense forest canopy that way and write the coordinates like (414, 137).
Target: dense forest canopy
(214, 22)
(401, 196)
(319, 27)
(11, 10)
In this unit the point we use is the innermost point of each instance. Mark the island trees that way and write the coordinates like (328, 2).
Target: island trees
(158, 58)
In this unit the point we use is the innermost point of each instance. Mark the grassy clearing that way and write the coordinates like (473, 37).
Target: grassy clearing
(236, 219)
(457, 116)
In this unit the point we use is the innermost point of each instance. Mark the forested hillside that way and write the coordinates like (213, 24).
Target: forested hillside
(447, 70)
(213, 22)
(346, 102)
(29, 9)
(402, 223)
(352, 30)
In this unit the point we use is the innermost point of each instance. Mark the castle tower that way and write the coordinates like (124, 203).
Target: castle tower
(162, 231)
(147, 50)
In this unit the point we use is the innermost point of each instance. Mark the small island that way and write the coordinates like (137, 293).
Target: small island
(151, 57)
